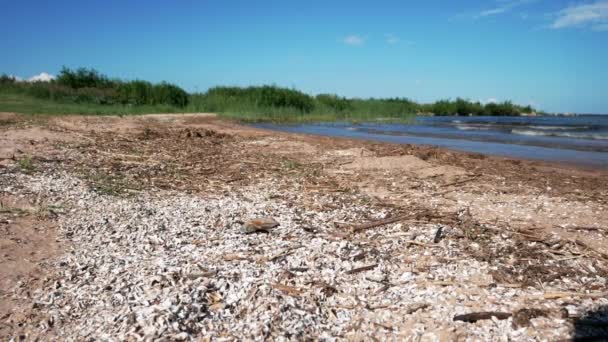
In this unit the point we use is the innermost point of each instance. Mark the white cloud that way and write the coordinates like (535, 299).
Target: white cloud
(490, 100)
(600, 27)
(42, 77)
(16, 78)
(493, 11)
(354, 40)
(392, 39)
(594, 15)
(503, 7)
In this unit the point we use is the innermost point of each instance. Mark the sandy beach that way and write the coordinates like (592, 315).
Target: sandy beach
(144, 227)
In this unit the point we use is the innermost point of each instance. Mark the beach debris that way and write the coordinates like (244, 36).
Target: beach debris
(229, 282)
(378, 223)
(171, 262)
(564, 294)
(438, 235)
(478, 316)
(362, 269)
(289, 290)
(262, 224)
(522, 317)
(452, 185)
(412, 308)
(595, 250)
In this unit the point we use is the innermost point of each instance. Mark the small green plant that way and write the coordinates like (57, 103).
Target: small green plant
(26, 164)
(113, 185)
(108, 189)
(291, 164)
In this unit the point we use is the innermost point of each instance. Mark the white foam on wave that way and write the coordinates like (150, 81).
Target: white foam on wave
(591, 136)
(558, 128)
(480, 127)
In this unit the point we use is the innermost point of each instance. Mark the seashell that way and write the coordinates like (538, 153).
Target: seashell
(156, 267)
(181, 336)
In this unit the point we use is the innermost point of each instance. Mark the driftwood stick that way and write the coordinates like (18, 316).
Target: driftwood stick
(362, 269)
(460, 182)
(601, 229)
(585, 245)
(559, 295)
(421, 244)
(373, 224)
(478, 316)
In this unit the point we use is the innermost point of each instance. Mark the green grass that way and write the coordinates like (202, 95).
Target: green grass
(26, 164)
(288, 106)
(114, 185)
(289, 117)
(87, 91)
(250, 104)
(26, 104)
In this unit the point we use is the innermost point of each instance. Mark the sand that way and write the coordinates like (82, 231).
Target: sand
(517, 234)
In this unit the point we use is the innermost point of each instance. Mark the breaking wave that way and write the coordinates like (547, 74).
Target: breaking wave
(559, 128)
(475, 127)
(592, 136)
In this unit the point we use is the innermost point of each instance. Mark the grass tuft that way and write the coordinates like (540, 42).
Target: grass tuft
(26, 164)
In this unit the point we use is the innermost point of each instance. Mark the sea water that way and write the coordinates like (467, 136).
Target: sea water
(581, 140)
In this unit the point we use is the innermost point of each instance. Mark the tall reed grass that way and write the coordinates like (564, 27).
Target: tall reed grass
(87, 91)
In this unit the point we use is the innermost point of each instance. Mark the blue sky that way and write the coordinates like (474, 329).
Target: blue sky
(549, 53)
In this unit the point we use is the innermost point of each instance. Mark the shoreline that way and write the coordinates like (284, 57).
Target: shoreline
(152, 208)
(559, 164)
(422, 148)
(584, 154)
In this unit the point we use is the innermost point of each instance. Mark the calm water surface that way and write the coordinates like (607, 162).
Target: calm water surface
(581, 140)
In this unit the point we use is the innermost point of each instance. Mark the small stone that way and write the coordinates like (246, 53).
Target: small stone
(263, 224)
(522, 317)
(181, 336)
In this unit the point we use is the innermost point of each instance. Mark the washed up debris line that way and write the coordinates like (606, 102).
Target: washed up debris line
(179, 266)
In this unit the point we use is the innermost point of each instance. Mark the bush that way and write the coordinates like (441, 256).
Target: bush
(83, 78)
(40, 90)
(136, 92)
(6, 79)
(95, 95)
(227, 92)
(60, 93)
(502, 109)
(464, 107)
(443, 107)
(89, 86)
(264, 97)
(339, 104)
(272, 96)
(166, 93)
